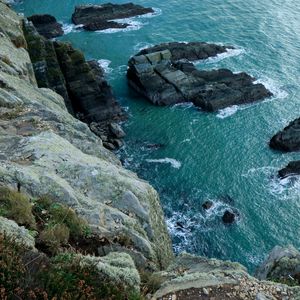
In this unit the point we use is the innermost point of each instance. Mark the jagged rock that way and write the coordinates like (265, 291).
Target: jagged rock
(82, 84)
(116, 130)
(166, 81)
(46, 26)
(191, 51)
(45, 63)
(228, 217)
(293, 168)
(115, 267)
(46, 151)
(207, 205)
(19, 233)
(100, 17)
(191, 277)
(282, 264)
(288, 139)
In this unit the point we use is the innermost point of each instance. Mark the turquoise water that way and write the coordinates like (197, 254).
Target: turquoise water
(204, 155)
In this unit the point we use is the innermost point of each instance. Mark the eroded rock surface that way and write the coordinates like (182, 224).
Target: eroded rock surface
(100, 17)
(165, 79)
(46, 26)
(82, 84)
(288, 139)
(293, 168)
(44, 150)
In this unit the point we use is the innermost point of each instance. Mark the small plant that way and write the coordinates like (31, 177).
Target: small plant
(6, 60)
(19, 42)
(151, 282)
(16, 206)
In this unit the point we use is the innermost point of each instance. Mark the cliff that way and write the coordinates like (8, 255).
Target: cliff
(46, 153)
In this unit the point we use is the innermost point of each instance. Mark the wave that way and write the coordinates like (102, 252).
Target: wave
(272, 86)
(227, 112)
(173, 162)
(157, 12)
(104, 64)
(68, 27)
(219, 57)
(142, 45)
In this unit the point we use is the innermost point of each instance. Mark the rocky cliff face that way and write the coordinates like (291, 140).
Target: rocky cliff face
(46, 151)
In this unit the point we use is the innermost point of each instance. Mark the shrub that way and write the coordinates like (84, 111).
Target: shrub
(16, 206)
(151, 282)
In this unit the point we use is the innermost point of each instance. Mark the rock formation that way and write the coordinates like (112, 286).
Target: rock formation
(100, 17)
(46, 151)
(282, 264)
(46, 26)
(288, 139)
(293, 168)
(166, 77)
(87, 94)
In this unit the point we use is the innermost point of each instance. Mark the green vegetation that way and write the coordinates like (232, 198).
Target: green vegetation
(150, 282)
(63, 277)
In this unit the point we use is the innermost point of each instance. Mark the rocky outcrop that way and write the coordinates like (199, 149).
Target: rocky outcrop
(288, 139)
(293, 168)
(282, 264)
(46, 151)
(46, 26)
(190, 51)
(82, 84)
(192, 277)
(100, 17)
(166, 80)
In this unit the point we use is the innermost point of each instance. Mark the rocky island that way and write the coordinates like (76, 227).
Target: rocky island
(164, 75)
(73, 222)
(104, 16)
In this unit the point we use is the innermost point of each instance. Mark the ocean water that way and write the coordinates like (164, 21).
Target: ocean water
(223, 156)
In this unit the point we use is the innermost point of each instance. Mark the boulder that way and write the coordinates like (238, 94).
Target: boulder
(288, 139)
(167, 80)
(100, 17)
(46, 26)
(293, 168)
(228, 217)
(282, 264)
(207, 205)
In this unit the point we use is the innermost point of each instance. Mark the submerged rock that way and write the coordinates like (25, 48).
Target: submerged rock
(293, 168)
(207, 205)
(100, 17)
(288, 139)
(228, 217)
(46, 26)
(166, 80)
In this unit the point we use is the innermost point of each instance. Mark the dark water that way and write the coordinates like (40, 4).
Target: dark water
(219, 156)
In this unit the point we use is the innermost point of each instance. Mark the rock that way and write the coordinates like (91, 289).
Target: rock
(100, 17)
(117, 131)
(293, 168)
(165, 80)
(228, 217)
(87, 94)
(46, 26)
(207, 205)
(282, 264)
(288, 139)
(191, 51)
(19, 233)
(37, 133)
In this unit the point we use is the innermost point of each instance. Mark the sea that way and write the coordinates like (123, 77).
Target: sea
(191, 156)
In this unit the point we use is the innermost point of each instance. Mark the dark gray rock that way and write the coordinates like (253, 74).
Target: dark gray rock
(293, 168)
(165, 80)
(100, 17)
(207, 205)
(288, 139)
(228, 217)
(190, 51)
(46, 26)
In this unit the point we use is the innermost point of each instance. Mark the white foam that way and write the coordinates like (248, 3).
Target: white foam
(227, 112)
(142, 45)
(104, 63)
(183, 105)
(68, 28)
(221, 56)
(157, 12)
(273, 87)
(173, 162)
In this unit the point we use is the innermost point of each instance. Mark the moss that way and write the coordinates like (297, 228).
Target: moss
(16, 206)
